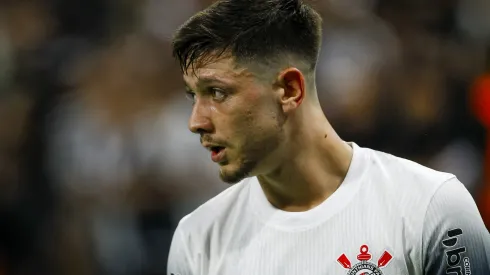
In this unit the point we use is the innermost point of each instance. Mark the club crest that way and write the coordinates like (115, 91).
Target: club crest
(364, 266)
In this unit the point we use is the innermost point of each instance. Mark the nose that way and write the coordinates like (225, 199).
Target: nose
(200, 122)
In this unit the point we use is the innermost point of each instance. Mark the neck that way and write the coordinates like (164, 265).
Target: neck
(315, 164)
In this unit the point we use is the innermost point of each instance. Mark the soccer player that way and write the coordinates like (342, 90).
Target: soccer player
(304, 201)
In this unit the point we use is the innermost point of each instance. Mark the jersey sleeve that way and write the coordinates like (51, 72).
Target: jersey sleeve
(179, 259)
(454, 237)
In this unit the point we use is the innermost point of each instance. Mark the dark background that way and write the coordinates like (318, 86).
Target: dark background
(97, 165)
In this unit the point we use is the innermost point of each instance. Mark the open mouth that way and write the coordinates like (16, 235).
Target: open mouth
(217, 149)
(217, 153)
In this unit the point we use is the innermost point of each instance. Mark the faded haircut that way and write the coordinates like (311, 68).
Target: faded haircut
(260, 32)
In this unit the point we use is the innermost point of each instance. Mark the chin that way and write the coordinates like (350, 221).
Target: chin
(231, 179)
(232, 173)
(231, 176)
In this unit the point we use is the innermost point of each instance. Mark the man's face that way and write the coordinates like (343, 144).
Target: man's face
(237, 116)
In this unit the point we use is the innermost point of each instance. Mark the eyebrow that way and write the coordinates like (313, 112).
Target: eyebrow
(187, 88)
(205, 80)
(209, 79)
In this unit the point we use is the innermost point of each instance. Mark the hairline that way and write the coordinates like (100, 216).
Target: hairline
(264, 71)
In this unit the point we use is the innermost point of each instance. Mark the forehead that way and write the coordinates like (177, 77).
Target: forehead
(223, 70)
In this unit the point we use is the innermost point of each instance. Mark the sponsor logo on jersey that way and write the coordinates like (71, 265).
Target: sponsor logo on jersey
(364, 266)
(453, 254)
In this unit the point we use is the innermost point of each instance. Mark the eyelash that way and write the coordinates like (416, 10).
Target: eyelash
(211, 91)
(190, 96)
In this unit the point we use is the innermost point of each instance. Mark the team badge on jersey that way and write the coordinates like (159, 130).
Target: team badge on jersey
(364, 266)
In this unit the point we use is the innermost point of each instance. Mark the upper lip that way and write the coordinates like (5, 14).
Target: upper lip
(210, 146)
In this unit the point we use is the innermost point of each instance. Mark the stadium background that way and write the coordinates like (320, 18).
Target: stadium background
(97, 165)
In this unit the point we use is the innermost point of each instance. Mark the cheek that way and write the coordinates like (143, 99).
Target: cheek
(241, 113)
(247, 118)
(244, 124)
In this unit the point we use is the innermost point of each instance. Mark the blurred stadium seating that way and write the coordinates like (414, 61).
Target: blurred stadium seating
(97, 165)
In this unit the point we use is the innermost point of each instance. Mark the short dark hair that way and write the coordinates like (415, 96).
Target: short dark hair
(251, 31)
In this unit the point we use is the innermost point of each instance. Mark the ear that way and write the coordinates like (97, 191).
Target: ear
(292, 84)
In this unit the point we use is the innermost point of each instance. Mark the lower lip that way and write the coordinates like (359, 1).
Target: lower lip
(217, 157)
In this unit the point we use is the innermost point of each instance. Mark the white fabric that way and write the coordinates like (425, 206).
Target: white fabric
(391, 205)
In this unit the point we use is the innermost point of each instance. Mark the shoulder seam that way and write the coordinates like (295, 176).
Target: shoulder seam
(425, 216)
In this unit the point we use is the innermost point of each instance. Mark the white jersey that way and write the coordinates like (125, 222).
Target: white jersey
(389, 216)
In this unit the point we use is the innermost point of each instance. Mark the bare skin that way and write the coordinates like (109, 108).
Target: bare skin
(275, 130)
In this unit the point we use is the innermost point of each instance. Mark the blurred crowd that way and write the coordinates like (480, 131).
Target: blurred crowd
(97, 165)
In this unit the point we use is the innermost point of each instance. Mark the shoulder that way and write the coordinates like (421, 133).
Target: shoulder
(402, 188)
(406, 175)
(216, 210)
(454, 237)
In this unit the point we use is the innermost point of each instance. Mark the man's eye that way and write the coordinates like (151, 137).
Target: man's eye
(190, 96)
(218, 94)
